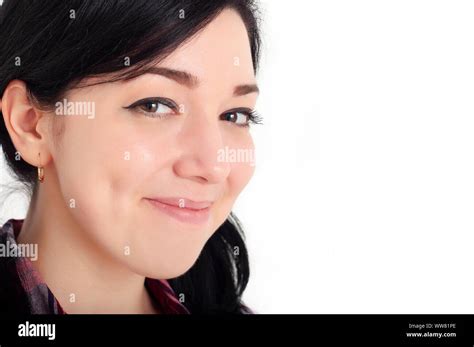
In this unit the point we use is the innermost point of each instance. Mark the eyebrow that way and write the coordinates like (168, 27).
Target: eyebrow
(191, 81)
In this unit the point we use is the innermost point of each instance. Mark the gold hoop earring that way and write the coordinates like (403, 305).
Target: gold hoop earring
(40, 170)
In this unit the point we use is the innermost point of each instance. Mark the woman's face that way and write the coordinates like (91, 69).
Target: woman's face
(112, 158)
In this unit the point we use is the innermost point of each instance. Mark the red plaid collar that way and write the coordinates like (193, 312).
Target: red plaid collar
(22, 291)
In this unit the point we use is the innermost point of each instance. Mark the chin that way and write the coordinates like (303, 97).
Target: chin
(174, 265)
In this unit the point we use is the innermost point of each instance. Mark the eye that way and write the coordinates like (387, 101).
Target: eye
(154, 107)
(242, 117)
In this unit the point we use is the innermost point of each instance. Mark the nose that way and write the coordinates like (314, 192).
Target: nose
(200, 141)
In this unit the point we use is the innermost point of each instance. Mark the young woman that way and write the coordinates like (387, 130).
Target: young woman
(114, 116)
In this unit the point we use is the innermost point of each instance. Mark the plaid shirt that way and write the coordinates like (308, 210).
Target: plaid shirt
(22, 291)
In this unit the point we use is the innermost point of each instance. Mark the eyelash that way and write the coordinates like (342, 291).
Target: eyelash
(252, 115)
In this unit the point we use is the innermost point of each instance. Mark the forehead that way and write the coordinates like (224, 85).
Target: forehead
(220, 50)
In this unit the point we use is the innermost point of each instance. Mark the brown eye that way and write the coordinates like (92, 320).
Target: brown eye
(154, 107)
(239, 118)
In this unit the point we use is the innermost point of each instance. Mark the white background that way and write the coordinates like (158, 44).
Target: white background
(363, 197)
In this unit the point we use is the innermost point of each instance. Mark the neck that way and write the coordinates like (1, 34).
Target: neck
(83, 278)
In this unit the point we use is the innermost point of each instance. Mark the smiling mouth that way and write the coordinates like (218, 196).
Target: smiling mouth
(183, 210)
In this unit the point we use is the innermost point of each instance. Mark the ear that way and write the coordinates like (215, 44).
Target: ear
(26, 125)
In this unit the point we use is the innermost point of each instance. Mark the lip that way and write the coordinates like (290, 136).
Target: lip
(182, 209)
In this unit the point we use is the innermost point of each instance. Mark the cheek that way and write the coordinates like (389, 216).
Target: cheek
(240, 154)
(239, 177)
(100, 167)
(95, 160)
(108, 156)
(242, 162)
